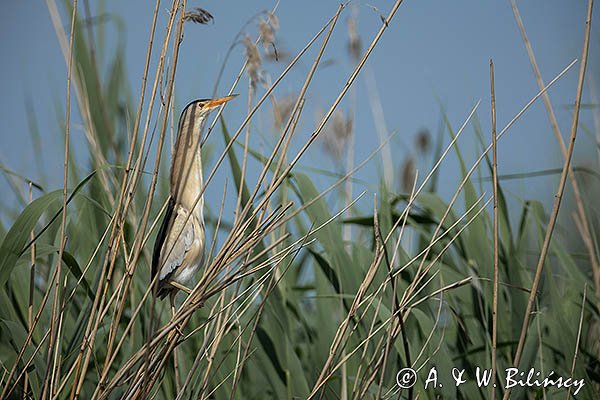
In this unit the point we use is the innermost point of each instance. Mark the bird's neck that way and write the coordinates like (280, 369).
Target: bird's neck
(186, 168)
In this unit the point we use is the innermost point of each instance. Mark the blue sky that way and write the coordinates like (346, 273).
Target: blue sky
(434, 53)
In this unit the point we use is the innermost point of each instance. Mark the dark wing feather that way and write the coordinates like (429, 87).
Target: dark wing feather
(158, 244)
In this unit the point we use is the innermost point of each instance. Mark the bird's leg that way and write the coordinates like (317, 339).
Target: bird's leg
(172, 300)
(179, 286)
(175, 358)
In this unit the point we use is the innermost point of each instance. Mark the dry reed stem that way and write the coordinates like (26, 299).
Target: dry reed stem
(474, 166)
(558, 196)
(137, 249)
(122, 208)
(298, 105)
(585, 231)
(85, 111)
(175, 352)
(343, 92)
(370, 298)
(245, 156)
(276, 279)
(246, 354)
(221, 327)
(159, 335)
(327, 376)
(596, 115)
(395, 306)
(422, 285)
(243, 223)
(8, 388)
(115, 228)
(72, 294)
(495, 233)
(365, 347)
(290, 127)
(31, 290)
(164, 105)
(270, 191)
(53, 346)
(434, 327)
(127, 278)
(366, 282)
(38, 315)
(579, 328)
(167, 330)
(119, 294)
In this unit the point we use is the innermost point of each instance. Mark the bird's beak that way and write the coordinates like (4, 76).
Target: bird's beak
(214, 103)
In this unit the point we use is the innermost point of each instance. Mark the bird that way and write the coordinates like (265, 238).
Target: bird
(179, 246)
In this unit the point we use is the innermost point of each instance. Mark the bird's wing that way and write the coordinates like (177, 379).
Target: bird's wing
(161, 236)
(174, 243)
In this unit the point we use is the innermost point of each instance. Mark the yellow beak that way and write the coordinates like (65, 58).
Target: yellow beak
(214, 103)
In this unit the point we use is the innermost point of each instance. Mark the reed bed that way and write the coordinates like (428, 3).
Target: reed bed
(306, 293)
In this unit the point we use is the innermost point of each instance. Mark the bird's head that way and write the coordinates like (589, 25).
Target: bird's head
(194, 114)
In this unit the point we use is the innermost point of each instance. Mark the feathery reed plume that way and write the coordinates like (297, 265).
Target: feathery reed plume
(198, 16)
(282, 109)
(273, 20)
(336, 134)
(354, 42)
(423, 141)
(267, 30)
(407, 174)
(253, 69)
(267, 35)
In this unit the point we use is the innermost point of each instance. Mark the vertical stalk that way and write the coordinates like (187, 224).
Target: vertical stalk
(55, 306)
(495, 194)
(31, 288)
(558, 196)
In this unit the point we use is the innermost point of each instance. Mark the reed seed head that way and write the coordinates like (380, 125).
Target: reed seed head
(282, 108)
(273, 20)
(354, 42)
(337, 133)
(267, 30)
(198, 16)
(407, 174)
(423, 141)
(253, 69)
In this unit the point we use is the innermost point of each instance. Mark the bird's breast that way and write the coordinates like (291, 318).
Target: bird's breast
(194, 257)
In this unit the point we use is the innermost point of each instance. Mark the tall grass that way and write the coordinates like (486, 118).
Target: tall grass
(299, 297)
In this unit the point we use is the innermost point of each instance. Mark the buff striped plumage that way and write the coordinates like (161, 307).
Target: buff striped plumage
(179, 247)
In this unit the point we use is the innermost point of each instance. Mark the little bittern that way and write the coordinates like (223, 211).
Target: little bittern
(179, 246)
